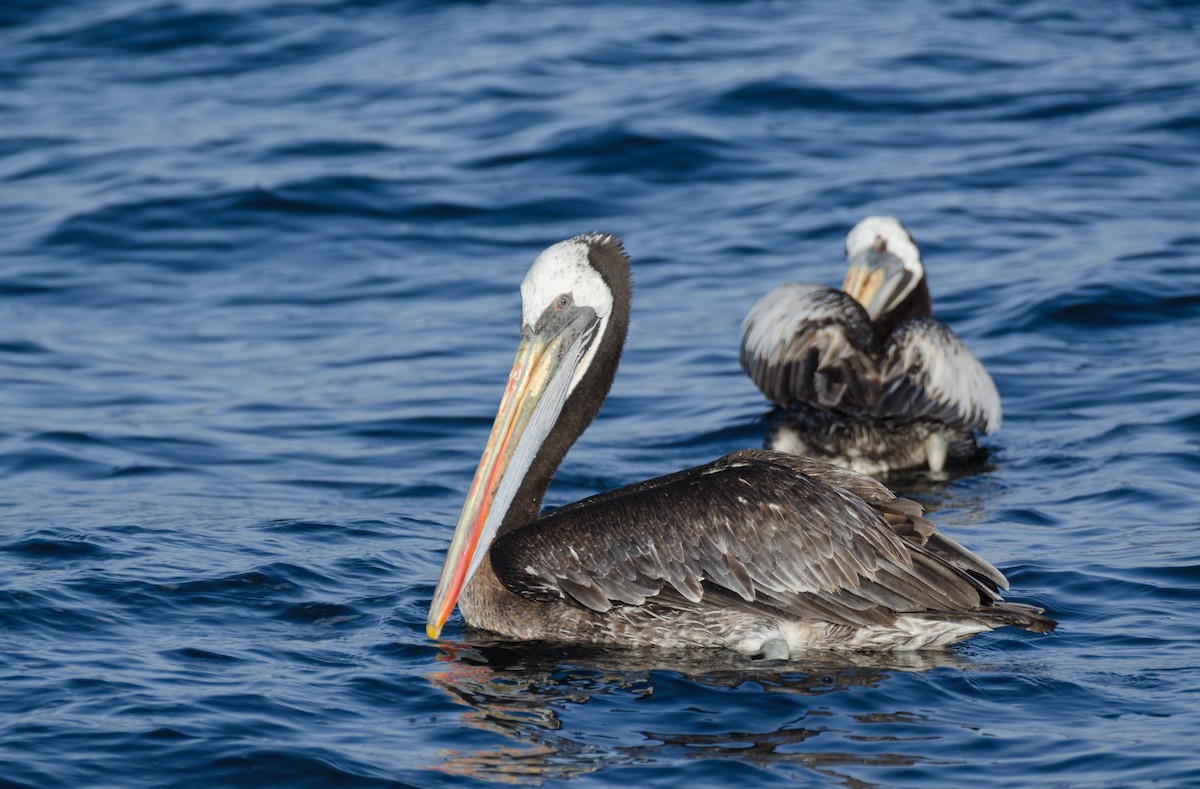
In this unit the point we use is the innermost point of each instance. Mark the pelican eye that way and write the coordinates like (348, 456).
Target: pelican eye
(563, 302)
(880, 244)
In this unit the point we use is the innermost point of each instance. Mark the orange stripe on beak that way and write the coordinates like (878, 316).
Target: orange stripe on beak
(532, 370)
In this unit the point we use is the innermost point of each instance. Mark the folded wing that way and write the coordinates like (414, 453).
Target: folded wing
(809, 344)
(926, 371)
(806, 343)
(755, 529)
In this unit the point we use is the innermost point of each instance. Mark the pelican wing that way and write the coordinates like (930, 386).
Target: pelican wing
(927, 372)
(809, 344)
(754, 529)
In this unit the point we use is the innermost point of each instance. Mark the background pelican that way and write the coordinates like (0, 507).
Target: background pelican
(866, 377)
(760, 552)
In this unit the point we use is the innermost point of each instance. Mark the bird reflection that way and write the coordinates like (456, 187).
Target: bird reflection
(521, 694)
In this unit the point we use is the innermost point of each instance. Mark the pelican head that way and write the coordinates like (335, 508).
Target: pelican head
(883, 264)
(567, 307)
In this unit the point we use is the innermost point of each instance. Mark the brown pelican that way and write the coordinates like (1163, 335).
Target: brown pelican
(865, 377)
(761, 552)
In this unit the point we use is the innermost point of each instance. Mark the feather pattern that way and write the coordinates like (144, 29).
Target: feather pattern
(810, 541)
(925, 371)
(812, 344)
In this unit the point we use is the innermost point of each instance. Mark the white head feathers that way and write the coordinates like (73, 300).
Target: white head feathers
(564, 268)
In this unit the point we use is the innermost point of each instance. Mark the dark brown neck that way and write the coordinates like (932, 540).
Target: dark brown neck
(917, 305)
(584, 403)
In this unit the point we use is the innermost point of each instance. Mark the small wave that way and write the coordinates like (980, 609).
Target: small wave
(321, 614)
(56, 545)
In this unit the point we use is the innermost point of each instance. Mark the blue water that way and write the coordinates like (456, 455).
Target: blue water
(259, 264)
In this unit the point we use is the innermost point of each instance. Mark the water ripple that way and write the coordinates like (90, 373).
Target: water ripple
(260, 290)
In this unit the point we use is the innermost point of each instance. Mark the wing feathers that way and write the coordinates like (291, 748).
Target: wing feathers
(587, 594)
(687, 584)
(738, 578)
(808, 344)
(926, 371)
(803, 545)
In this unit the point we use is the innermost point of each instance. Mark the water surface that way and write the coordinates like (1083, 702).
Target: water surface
(259, 268)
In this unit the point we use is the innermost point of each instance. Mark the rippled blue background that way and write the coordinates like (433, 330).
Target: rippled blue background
(258, 296)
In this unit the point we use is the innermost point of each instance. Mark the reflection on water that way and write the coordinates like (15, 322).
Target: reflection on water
(523, 693)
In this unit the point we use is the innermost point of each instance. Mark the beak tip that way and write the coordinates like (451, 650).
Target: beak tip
(433, 630)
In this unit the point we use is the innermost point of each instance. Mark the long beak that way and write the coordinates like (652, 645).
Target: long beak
(538, 386)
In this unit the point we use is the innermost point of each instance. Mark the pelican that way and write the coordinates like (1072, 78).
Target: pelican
(865, 377)
(760, 552)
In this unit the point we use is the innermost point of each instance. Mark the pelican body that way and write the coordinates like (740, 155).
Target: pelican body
(760, 552)
(866, 377)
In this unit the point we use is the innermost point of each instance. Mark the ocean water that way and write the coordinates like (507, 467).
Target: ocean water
(259, 269)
